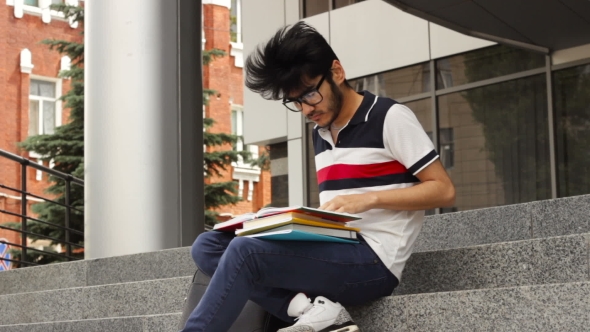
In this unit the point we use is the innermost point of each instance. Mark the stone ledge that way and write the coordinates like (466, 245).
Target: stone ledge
(556, 217)
(530, 262)
(555, 307)
(154, 323)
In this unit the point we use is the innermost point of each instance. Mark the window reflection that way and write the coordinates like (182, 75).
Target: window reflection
(572, 118)
(486, 63)
(500, 143)
(396, 83)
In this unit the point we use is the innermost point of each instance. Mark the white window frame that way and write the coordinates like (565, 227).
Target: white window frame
(243, 172)
(42, 10)
(56, 99)
(238, 21)
(237, 47)
(58, 113)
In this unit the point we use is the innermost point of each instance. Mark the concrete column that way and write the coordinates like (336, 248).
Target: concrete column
(143, 126)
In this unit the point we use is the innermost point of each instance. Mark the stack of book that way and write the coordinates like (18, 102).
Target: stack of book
(293, 224)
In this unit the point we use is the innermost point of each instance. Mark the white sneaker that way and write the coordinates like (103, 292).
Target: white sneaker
(322, 315)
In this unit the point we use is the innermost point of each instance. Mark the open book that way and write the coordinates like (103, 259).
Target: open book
(236, 223)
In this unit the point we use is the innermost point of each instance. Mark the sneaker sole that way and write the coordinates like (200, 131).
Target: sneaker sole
(351, 328)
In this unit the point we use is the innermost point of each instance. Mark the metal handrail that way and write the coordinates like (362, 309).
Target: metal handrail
(38, 197)
(24, 198)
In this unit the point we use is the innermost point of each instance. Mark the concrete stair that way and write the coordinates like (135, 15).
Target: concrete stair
(522, 267)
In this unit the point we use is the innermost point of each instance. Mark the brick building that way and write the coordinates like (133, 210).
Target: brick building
(31, 89)
(222, 30)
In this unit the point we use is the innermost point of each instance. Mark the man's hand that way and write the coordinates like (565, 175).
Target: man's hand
(353, 204)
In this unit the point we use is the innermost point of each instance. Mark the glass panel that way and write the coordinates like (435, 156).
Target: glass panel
(34, 88)
(396, 83)
(234, 122)
(33, 117)
(47, 89)
(57, 2)
(314, 7)
(234, 127)
(342, 3)
(572, 119)
(484, 64)
(233, 21)
(48, 117)
(498, 135)
(32, 3)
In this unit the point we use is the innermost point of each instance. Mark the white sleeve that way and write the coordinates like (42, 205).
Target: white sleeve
(405, 138)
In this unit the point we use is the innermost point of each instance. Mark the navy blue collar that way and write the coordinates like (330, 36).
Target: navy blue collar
(362, 113)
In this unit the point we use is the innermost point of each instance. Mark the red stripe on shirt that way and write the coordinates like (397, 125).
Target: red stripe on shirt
(345, 171)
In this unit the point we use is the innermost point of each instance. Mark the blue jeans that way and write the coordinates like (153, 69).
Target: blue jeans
(271, 273)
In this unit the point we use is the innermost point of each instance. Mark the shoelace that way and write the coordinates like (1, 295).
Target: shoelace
(306, 310)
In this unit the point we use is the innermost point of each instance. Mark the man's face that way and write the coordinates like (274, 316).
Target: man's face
(326, 111)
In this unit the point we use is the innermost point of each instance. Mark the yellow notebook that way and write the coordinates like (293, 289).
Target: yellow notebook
(273, 222)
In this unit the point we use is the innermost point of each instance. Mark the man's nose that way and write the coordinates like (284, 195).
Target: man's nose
(306, 109)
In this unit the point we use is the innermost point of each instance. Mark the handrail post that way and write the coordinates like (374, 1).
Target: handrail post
(24, 210)
(68, 216)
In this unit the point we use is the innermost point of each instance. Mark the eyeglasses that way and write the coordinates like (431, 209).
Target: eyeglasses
(311, 98)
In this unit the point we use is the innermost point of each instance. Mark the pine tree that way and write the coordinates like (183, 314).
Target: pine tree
(217, 194)
(65, 147)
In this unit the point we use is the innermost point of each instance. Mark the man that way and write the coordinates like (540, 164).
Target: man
(373, 159)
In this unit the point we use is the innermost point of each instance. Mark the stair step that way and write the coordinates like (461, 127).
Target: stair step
(153, 297)
(540, 219)
(447, 231)
(153, 323)
(552, 307)
(161, 264)
(531, 262)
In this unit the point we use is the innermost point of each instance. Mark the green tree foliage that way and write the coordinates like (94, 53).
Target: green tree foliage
(65, 147)
(217, 194)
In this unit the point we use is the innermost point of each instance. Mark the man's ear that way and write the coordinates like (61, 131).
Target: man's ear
(338, 74)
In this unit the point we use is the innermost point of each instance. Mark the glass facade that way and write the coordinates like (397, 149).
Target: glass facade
(493, 135)
(499, 143)
(484, 64)
(400, 83)
(314, 7)
(572, 128)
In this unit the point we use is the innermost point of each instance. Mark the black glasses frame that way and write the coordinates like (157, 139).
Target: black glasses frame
(302, 101)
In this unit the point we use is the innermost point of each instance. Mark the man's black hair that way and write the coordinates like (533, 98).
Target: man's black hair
(293, 55)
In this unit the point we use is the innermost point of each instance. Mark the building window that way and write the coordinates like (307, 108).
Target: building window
(476, 65)
(242, 171)
(343, 3)
(397, 83)
(572, 130)
(35, 3)
(498, 136)
(315, 7)
(43, 104)
(447, 147)
(237, 128)
(236, 21)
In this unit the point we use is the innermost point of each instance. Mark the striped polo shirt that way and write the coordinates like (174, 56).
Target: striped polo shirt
(382, 147)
